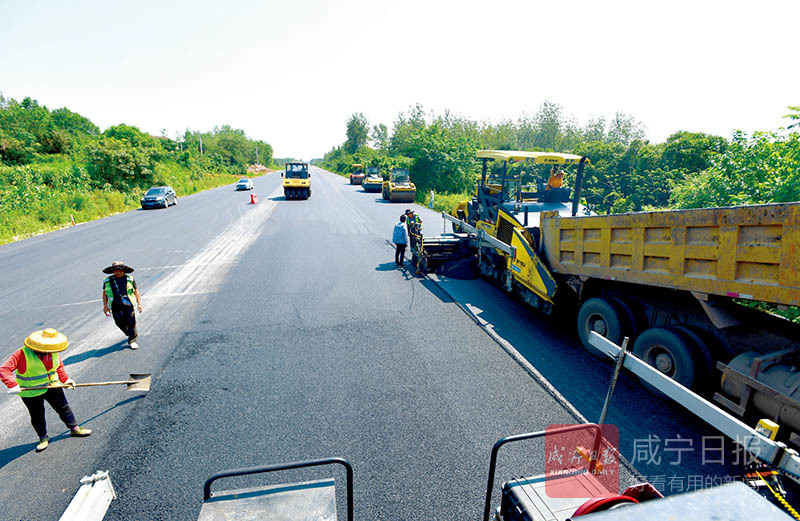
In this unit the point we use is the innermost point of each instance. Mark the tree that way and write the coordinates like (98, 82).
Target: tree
(794, 117)
(357, 132)
(74, 123)
(595, 129)
(119, 163)
(761, 168)
(624, 129)
(547, 126)
(380, 136)
(692, 151)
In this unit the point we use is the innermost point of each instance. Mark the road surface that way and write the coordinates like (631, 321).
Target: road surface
(283, 331)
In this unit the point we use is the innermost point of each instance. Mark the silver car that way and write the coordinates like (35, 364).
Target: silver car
(244, 184)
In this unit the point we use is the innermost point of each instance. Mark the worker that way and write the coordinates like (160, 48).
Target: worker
(414, 224)
(556, 179)
(120, 296)
(400, 239)
(30, 370)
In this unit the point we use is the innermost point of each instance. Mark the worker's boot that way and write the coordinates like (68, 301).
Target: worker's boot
(43, 443)
(80, 432)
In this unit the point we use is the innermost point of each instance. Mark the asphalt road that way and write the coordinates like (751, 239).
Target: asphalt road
(283, 331)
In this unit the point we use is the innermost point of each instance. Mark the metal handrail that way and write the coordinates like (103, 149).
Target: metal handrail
(288, 466)
(532, 435)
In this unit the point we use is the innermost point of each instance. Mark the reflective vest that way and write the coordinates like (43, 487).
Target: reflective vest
(35, 378)
(110, 292)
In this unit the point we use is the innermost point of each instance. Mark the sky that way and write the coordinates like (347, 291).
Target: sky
(291, 72)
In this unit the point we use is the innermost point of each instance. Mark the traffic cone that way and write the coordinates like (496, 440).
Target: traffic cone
(253, 198)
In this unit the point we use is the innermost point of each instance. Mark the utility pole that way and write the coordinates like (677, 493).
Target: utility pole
(256, 154)
(201, 143)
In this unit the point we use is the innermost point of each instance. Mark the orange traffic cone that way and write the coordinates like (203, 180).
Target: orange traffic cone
(253, 198)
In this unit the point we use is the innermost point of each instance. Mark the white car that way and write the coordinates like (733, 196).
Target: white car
(244, 184)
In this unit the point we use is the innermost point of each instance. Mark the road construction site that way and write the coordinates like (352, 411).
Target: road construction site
(282, 331)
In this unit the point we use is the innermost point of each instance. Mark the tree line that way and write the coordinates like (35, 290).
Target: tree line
(56, 165)
(627, 172)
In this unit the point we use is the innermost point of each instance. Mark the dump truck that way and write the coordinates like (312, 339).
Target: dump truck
(687, 287)
(356, 174)
(297, 181)
(373, 182)
(399, 188)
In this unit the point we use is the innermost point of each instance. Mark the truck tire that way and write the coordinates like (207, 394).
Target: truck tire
(670, 351)
(601, 315)
(632, 323)
(701, 353)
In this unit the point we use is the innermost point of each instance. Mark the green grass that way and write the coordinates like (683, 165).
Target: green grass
(442, 202)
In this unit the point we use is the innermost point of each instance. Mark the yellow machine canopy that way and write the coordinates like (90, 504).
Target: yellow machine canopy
(542, 158)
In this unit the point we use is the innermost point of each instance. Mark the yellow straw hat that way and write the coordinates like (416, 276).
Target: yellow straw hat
(47, 341)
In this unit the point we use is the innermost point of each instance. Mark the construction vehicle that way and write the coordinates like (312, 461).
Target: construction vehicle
(672, 281)
(399, 188)
(356, 174)
(296, 181)
(373, 182)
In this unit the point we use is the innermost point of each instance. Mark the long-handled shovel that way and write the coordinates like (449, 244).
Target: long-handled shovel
(136, 382)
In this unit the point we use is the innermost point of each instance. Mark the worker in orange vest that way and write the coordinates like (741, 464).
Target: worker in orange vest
(31, 370)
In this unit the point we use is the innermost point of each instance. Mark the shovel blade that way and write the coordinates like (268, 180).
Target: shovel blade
(139, 382)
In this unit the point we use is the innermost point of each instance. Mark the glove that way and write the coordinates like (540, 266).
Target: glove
(14, 390)
(70, 382)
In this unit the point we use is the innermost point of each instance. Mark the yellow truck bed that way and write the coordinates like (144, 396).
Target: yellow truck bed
(750, 252)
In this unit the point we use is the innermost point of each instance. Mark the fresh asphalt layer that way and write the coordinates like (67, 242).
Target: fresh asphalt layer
(277, 332)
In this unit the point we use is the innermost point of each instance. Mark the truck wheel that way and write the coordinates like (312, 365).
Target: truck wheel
(631, 322)
(604, 317)
(669, 351)
(701, 353)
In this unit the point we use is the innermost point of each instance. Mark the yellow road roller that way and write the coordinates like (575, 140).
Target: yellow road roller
(399, 188)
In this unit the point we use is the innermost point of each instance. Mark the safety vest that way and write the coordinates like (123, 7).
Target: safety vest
(129, 290)
(35, 378)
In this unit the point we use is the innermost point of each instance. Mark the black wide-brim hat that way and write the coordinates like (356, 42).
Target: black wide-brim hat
(118, 265)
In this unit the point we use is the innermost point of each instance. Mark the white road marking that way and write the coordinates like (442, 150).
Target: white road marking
(202, 274)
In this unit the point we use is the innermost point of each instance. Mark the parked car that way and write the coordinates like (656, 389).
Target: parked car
(159, 197)
(244, 184)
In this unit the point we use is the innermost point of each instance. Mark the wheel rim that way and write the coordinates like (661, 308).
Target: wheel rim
(598, 324)
(659, 357)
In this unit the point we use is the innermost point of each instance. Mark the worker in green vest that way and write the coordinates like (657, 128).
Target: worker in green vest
(120, 296)
(414, 224)
(29, 372)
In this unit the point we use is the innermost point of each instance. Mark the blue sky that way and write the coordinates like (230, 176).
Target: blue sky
(291, 73)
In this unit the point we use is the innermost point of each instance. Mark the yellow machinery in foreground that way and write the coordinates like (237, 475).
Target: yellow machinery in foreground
(373, 182)
(676, 283)
(297, 181)
(399, 188)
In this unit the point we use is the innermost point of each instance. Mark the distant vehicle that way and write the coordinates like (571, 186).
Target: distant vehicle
(159, 197)
(399, 188)
(373, 182)
(296, 181)
(244, 184)
(356, 174)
